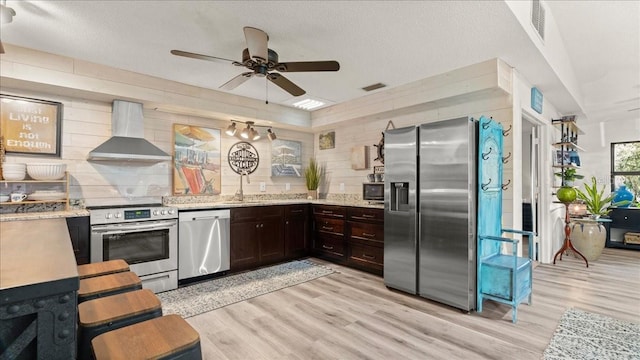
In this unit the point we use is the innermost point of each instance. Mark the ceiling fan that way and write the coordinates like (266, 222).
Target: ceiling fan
(263, 62)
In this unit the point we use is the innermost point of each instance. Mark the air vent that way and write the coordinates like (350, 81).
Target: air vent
(373, 87)
(538, 17)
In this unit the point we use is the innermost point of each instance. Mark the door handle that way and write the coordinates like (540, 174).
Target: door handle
(327, 247)
(328, 228)
(368, 256)
(368, 235)
(367, 216)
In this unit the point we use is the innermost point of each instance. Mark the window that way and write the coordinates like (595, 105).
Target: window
(625, 166)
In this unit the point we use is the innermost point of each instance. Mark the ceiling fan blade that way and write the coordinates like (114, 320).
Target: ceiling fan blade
(237, 81)
(308, 66)
(257, 43)
(285, 84)
(198, 56)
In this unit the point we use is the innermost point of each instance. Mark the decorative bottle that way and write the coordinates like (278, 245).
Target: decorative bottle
(622, 194)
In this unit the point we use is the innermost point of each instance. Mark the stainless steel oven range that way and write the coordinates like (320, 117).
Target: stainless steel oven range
(146, 237)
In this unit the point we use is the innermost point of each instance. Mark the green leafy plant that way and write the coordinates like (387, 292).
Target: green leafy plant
(569, 174)
(313, 174)
(597, 203)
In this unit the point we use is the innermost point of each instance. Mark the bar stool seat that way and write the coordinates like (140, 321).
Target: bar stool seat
(106, 285)
(167, 337)
(98, 316)
(102, 268)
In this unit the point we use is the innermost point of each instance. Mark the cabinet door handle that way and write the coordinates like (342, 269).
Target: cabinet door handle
(287, 222)
(327, 247)
(368, 235)
(368, 216)
(261, 225)
(327, 212)
(368, 256)
(257, 226)
(296, 211)
(329, 228)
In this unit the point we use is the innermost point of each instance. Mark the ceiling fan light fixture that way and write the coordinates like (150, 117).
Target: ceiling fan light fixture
(231, 129)
(6, 13)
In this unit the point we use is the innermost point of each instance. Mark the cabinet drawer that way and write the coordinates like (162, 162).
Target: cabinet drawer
(331, 211)
(366, 214)
(331, 226)
(368, 232)
(625, 218)
(296, 210)
(366, 255)
(330, 245)
(255, 213)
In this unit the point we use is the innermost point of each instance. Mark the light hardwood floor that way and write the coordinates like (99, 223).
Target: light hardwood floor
(352, 315)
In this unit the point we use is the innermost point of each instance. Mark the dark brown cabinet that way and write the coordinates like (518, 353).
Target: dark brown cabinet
(353, 236)
(79, 232)
(329, 232)
(365, 242)
(296, 231)
(257, 236)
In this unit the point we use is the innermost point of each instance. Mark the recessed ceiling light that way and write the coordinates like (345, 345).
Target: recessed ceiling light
(308, 104)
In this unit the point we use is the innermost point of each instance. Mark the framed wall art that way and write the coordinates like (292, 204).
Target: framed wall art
(31, 126)
(243, 158)
(286, 158)
(327, 140)
(196, 160)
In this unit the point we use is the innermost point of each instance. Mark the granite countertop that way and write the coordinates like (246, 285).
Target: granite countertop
(248, 203)
(43, 215)
(190, 204)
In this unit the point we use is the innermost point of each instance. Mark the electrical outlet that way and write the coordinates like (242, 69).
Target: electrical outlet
(287, 186)
(263, 186)
(341, 187)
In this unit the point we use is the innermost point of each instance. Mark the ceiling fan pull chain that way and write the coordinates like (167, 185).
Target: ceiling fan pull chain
(266, 87)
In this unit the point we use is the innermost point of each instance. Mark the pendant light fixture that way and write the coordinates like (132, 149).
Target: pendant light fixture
(250, 132)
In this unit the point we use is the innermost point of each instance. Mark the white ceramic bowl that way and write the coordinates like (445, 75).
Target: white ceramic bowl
(46, 171)
(4, 198)
(12, 175)
(14, 166)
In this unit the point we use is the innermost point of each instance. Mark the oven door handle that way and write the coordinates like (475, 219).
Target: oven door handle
(137, 226)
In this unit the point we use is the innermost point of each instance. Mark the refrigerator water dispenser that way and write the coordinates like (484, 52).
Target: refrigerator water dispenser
(399, 196)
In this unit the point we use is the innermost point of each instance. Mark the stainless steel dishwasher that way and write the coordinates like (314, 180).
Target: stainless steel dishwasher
(203, 238)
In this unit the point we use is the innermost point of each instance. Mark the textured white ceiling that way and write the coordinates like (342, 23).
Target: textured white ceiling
(374, 41)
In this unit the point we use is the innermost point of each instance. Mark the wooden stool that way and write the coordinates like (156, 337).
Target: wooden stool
(102, 268)
(98, 316)
(167, 337)
(105, 285)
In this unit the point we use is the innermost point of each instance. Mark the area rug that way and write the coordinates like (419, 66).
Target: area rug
(202, 297)
(584, 335)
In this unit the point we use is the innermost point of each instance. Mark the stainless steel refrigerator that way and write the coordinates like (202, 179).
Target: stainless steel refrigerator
(430, 211)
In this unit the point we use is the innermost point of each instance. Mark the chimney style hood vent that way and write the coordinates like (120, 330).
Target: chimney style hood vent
(127, 142)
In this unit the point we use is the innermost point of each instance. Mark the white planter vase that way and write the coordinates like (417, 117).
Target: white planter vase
(588, 236)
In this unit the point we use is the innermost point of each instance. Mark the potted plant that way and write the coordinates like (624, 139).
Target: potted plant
(312, 176)
(589, 235)
(569, 176)
(597, 203)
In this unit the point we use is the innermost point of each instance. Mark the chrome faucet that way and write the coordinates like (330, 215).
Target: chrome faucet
(239, 194)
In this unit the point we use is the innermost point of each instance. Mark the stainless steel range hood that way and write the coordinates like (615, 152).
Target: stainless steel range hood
(127, 142)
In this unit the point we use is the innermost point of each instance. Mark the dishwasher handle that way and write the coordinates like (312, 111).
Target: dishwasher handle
(204, 215)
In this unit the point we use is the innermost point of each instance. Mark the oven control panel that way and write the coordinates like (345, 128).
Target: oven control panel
(120, 215)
